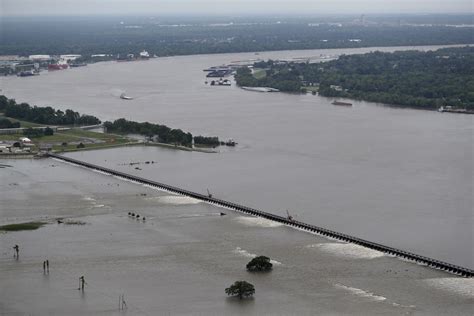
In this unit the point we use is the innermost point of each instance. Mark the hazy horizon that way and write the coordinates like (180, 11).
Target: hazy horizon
(230, 7)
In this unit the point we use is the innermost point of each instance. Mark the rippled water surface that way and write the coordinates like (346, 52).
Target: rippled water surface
(182, 257)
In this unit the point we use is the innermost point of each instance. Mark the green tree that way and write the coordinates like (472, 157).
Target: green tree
(260, 264)
(44, 115)
(33, 132)
(6, 123)
(241, 289)
(48, 131)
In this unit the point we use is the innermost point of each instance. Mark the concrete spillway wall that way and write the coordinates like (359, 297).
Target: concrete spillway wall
(450, 268)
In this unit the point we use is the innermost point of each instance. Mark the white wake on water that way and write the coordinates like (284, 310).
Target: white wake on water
(360, 293)
(348, 250)
(257, 221)
(174, 199)
(461, 286)
(369, 295)
(245, 253)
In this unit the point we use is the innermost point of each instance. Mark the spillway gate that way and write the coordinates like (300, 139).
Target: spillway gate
(437, 264)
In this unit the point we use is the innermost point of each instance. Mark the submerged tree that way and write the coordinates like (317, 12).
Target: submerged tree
(241, 289)
(260, 264)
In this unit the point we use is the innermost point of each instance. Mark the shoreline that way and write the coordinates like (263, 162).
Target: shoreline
(171, 146)
(436, 46)
(103, 147)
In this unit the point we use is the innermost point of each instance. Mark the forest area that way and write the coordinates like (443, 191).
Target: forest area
(415, 79)
(168, 36)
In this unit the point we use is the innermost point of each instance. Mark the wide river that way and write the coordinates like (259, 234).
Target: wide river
(400, 177)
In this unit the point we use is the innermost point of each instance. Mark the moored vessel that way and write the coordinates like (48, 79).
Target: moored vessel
(341, 103)
(57, 66)
(450, 109)
(144, 55)
(125, 97)
(261, 89)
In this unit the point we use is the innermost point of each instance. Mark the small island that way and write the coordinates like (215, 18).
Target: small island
(431, 80)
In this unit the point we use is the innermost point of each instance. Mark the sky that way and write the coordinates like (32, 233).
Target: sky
(232, 7)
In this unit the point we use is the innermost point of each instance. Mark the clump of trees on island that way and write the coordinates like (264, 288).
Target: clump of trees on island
(241, 289)
(416, 79)
(164, 133)
(260, 264)
(207, 141)
(44, 115)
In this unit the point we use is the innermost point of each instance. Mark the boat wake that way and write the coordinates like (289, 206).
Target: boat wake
(257, 221)
(460, 286)
(369, 295)
(244, 253)
(348, 250)
(360, 292)
(174, 200)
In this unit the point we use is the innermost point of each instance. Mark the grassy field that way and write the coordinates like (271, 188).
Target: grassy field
(71, 138)
(100, 140)
(69, 148)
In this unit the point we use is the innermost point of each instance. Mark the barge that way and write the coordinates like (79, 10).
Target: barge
(341, 103)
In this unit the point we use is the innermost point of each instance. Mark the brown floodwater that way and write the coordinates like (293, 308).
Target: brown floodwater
(180, 260)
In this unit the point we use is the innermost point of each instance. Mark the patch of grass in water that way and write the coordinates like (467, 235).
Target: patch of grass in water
(22, 226)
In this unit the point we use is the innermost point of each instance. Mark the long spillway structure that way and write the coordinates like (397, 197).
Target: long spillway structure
(437, 264)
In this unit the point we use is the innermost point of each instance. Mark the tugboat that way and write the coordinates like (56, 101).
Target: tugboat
(451, 109)
(125, 97)
(230, 143)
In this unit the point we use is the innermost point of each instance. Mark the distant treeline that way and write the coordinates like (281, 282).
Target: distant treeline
(38, 132)
(44, 115)
(173, 36)
(164, 133)
(208, 141)
(6, 123)
(406, 78)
